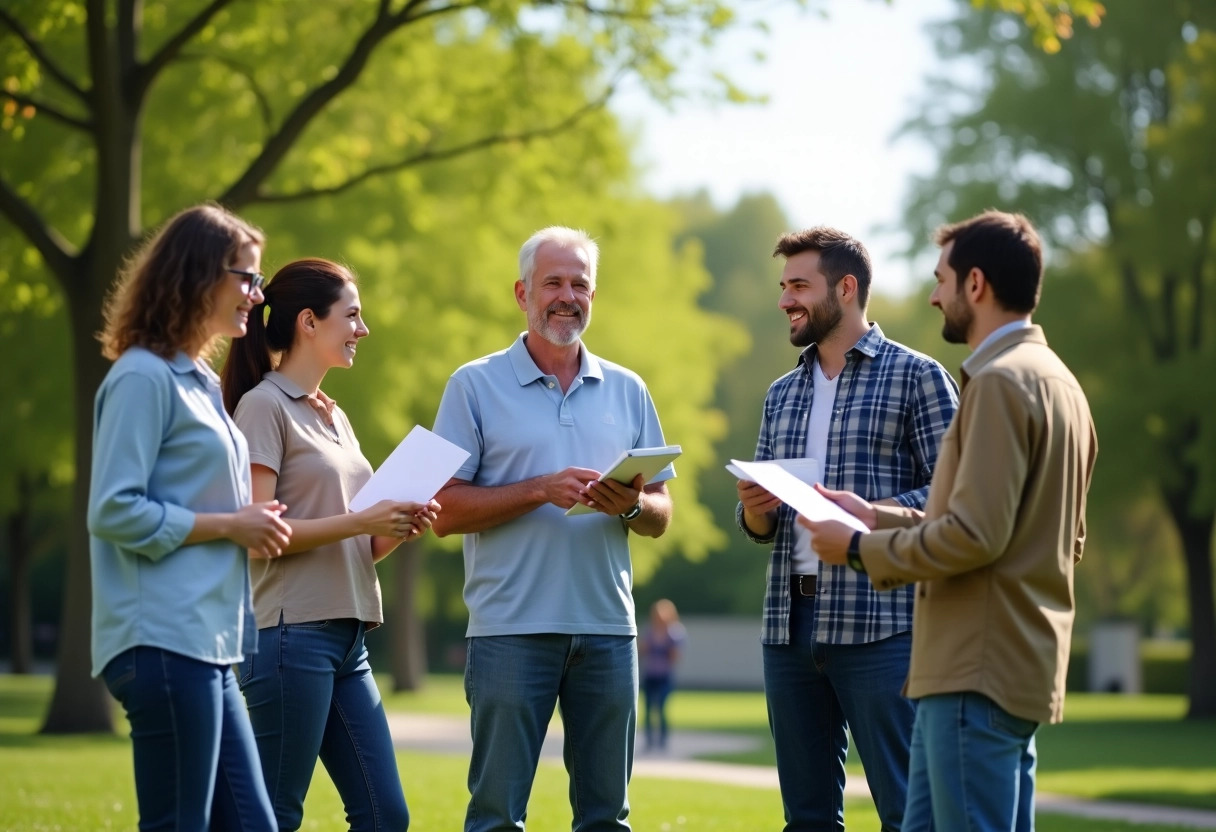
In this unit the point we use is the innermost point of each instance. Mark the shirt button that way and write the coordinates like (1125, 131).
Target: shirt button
(551, 385)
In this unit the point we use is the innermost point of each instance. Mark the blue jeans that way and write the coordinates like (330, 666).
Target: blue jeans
(973, 767)
(655, 690)
(815, 691)
(512, 684)
(195, 761)
(311, 693)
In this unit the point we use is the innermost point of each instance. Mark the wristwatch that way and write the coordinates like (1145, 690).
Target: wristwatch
(634, 511)
(854, 554)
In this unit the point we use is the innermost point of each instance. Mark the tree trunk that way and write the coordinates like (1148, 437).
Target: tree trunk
(81, 704)
(21, 554)
(409, 633)
(1197, 548)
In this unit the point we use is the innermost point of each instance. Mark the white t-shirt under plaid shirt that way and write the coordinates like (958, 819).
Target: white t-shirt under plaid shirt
(892, 407)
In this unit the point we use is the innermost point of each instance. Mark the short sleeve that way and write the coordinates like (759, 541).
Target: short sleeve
(651, 435)
(261, 418)
(459, 422)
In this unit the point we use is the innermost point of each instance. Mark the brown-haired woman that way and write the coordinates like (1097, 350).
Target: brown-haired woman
(171, 525)
(311, 692)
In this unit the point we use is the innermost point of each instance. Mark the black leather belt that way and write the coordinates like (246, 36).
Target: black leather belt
(802, 585)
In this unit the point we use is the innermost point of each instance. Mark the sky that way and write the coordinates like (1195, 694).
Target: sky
(838, 87)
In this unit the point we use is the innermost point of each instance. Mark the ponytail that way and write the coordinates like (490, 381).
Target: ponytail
(249, 359)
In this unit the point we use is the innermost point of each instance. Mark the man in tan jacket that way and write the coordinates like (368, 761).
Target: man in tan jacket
(993, 552)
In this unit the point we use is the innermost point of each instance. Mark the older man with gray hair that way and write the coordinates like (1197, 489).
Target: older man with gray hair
(551, 617)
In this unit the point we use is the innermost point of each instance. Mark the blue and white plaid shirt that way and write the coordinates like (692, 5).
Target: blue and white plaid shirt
(892, 407)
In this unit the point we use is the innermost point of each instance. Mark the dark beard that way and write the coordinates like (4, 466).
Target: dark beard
(821, 321)
(956, 330)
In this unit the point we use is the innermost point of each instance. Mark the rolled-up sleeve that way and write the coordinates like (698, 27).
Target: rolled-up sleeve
(764, 453)
(129, 419)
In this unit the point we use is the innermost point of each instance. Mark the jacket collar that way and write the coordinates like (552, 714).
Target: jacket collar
(989, 351)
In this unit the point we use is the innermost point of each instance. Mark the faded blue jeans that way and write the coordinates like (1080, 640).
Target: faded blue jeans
(512, 684)
(311, 693)
(196, 767)
(815, 691)
(973, 767)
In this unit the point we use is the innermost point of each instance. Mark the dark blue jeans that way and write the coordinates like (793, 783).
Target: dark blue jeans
(196, 766)
(311, 693)
(655, 690)
(816, 691)
(512, 684)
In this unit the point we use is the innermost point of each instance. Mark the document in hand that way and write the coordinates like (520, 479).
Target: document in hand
(793, 492)
(415, 470)
(645, 461)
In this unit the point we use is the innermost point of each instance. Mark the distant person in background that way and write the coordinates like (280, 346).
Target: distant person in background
(869, 414)
(310, 689)
(660, 650)
(993, 552)
(171, 526)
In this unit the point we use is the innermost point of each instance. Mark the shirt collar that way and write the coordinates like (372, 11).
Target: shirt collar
(527, 372)
(868, 345)
(1000, 331)
(285, 384)
(181, 363)
(999, 340)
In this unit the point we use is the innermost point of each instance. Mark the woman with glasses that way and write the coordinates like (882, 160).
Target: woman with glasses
(310, 692)
(171, 526)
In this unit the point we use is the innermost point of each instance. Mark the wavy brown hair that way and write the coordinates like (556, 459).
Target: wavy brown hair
(163, 295)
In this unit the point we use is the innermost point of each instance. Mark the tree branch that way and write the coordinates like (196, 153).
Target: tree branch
(55, 250)
(246, 73)
(40, 55)
(428, 154)
(246, 187)
(171, 48)
(1137, 300)
(47, 109)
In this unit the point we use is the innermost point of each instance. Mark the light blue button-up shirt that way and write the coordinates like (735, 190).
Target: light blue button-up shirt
(545, 572)
(163, 449)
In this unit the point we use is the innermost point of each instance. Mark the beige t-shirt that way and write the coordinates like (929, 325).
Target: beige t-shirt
(320, 469)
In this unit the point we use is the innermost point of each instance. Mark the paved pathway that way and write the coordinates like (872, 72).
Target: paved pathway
(450, 735)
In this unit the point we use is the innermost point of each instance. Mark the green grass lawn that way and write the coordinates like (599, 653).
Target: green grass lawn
(85, 783)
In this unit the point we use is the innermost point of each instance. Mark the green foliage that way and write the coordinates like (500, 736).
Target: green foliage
(1050, 22)
(1109, 146)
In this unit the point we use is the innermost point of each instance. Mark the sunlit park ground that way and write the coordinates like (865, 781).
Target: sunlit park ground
(1114, 748)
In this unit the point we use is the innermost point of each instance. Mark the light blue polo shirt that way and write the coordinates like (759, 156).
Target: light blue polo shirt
(163, 449)
(545, 572)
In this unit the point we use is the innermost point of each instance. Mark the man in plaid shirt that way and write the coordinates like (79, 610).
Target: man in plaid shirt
(871, 413)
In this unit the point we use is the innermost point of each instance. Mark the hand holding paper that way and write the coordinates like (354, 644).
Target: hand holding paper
(414, 471)
(793, 492)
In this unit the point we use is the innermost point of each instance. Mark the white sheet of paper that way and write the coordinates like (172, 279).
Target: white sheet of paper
(792, 491)
(415, 470)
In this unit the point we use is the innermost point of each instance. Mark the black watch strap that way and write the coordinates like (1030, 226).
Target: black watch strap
(634, 512)
(854, 554)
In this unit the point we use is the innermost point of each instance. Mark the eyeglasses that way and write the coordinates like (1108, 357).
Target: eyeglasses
(252, 281)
